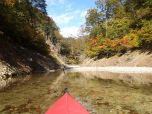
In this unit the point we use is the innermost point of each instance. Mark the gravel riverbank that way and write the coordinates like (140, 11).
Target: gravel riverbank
(114, 69)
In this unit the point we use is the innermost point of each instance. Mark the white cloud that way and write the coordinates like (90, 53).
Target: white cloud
(69, 7)
(77, 12)
(81, 22)
(76, 17)
(83, 13)
(63, 18)
(62, 1)
(51, 2)
(55, 2)
(69, 31)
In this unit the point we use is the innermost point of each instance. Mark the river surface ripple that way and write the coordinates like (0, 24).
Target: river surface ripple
(99, 92)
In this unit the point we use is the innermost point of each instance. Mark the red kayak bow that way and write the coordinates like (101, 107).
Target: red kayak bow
(66, 105)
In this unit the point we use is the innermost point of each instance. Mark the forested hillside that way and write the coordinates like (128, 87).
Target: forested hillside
(18, 21)
(24, 31)
(26, 23)
(113, 26)
(116, 26)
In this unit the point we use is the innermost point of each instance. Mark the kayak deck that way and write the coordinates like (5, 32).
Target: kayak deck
(66, 105)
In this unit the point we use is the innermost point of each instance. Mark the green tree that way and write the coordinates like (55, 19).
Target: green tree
(93, 18)
(33, 10)
(49, 27)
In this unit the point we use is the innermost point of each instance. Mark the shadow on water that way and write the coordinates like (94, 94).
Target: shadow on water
(98, 92)
(68, 67)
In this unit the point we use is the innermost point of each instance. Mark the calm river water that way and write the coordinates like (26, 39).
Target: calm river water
(98, 92)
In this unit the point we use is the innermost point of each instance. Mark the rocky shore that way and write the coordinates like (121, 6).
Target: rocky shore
(137, 58)
(115, 69)
(16, 60)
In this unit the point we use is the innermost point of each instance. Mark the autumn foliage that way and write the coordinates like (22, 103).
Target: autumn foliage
(15, 24)
(122, 26)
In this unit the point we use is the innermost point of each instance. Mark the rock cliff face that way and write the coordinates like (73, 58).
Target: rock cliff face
(16, 60)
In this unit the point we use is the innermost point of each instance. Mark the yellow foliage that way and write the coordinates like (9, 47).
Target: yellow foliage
(146, 34)
(1, 32)
(132, 36)
(134, 39)
(114, 43)
(8, 2)
(143, 11)
(101, 47)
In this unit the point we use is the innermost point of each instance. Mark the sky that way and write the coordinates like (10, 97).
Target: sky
(69, 15)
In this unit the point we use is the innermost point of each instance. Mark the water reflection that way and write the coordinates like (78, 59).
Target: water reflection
(108, 93)
(7, 81)
(98, 92)
(137, 78)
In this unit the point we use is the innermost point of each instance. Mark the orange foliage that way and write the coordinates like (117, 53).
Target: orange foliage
(124, 42)
(101, 47)
(93, 43)
(108, 40)
(114, 43)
